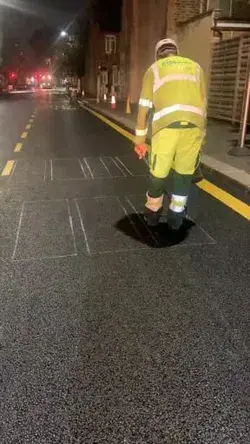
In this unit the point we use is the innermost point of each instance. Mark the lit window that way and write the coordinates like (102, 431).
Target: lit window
(110, 44)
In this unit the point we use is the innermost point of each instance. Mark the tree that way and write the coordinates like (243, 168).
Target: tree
(42, 42)
(70, 53)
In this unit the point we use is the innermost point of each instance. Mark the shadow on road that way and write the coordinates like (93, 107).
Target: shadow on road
(161, 236)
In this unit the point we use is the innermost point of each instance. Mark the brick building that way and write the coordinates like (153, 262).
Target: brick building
(102, 62)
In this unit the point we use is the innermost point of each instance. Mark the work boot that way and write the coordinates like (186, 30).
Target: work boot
(152, 217)
(175, 220)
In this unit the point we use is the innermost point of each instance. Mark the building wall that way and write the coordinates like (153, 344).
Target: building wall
(198, 30)
(145, 23)
(182, 10)
(96, 57)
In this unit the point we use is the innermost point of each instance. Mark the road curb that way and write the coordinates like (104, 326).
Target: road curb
(231, 179)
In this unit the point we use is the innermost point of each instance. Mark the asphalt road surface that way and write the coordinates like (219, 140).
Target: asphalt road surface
(106, 336)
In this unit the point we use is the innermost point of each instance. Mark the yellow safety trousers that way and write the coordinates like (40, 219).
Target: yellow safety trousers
(177, 149)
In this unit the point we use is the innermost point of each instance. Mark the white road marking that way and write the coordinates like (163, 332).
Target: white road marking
(105, 166)
(71, 226)
(81, 166)
(18, 231)
(118, 166)
(87, 165)
(130, 220)
(206, 234)
(82, 226)
(41, 258)
(124, 166)
(51, 170)
(45, 170)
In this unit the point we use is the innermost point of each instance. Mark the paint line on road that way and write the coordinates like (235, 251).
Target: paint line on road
(87, 165)
(82, 169)
(218, 193)
(18, 147)
(51, 170)
(28, 127)
(82, 226)
(24, 135)
(118, 166)
(105, 166)
(18, 231)
(124, 166)
(227, 199)
(8, 168)
(71, 226)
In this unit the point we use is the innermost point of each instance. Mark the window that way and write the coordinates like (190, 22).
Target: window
(110, 44)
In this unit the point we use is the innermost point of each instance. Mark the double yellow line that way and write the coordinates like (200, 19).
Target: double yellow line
(10, 163)
(223, 196)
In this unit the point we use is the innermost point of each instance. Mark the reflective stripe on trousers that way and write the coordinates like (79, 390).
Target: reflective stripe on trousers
(141, 132)
(178, 203)
(145, 103)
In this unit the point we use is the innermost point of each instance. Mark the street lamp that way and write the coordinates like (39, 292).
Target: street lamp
(63, 34)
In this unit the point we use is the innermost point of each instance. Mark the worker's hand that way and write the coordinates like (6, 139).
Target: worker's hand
(141, 150)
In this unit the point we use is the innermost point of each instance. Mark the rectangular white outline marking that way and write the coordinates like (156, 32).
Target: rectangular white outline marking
(82, 226)
(70, 178)
(213, 241)
(24, 160)
(44, 257)
(124, 166)
(85, 233)
(132, 250)
(87, 165)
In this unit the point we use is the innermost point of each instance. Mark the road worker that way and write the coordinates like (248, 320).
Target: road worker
(174, 92)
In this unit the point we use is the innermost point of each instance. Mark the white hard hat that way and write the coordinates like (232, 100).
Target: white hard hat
(166, 42)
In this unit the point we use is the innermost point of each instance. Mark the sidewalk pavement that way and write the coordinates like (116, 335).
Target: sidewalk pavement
(221, 137)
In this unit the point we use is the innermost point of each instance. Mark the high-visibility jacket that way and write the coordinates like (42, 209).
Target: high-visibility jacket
(175, 88)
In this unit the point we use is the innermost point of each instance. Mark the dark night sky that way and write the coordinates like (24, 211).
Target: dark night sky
(22, 17)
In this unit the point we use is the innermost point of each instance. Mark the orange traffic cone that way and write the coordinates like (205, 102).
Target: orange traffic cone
(128, 107)
(113, 102)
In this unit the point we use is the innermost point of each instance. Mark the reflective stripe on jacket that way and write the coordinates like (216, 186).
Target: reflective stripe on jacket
(175, 88)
